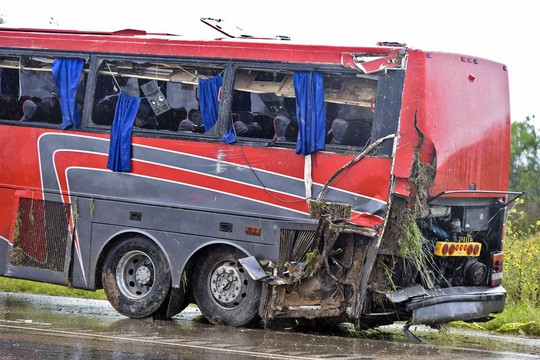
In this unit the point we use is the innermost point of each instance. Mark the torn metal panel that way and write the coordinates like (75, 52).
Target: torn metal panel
(322, 280)
(396, 60)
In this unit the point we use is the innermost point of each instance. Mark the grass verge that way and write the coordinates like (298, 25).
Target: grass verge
(32, 287)
(516, 318)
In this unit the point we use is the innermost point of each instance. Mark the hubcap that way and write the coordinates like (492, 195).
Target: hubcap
(135, 274)
(228, 284)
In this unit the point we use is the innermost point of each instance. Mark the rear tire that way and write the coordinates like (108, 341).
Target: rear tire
(224, 291)
(136, 278)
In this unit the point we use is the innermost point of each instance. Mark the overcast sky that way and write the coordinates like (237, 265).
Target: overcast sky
(504, 31)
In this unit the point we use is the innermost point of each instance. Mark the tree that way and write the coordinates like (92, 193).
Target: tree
(525, 170)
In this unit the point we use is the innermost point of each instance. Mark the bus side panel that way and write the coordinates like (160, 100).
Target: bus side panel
(6, 213)
(70, 168)
(180, 247)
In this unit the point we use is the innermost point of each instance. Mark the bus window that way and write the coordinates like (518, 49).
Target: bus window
(260, 108)
(349, 109)
(169, 94)
(28, 92)
(264, 106)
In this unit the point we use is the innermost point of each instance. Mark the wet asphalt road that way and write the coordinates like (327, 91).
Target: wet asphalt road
(52, 328)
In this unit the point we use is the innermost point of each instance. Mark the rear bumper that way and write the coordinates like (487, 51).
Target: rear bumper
(440, 306)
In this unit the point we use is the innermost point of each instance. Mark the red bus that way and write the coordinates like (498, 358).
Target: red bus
(258, 179)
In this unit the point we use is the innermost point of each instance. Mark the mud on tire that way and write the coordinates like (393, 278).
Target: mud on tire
(136, 278)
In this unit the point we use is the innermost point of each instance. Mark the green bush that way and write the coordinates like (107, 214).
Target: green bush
(521, 264)
(521, 278)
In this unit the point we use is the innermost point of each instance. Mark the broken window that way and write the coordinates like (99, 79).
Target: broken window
(28, 92)
(264, 106)
(169, 94)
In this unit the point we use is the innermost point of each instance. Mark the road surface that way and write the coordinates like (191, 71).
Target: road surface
(45, 327)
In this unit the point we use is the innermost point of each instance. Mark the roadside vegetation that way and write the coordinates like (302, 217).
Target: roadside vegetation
(521, 280)
(32, 287)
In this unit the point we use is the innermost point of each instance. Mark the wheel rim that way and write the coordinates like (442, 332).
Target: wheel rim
(135, 274)
(228, 284)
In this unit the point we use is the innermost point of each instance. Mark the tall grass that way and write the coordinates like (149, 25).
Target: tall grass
(521, 278)
(522, 258)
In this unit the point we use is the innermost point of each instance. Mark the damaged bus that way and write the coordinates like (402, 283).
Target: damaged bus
(258, 179)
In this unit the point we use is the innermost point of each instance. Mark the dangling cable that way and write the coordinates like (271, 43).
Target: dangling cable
(114, 77)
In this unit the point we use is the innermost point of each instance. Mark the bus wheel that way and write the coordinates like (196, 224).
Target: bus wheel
(223, 291)
(136, 278)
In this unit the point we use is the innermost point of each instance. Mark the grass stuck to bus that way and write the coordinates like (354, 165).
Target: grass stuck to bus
(260, 179)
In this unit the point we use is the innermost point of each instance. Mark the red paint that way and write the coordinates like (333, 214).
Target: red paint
(465, 124)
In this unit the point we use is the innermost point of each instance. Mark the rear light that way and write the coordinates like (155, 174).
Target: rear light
(497, 265)
(444, 248)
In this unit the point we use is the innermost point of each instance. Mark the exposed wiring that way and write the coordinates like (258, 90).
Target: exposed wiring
(320, 193)
(114, 77)
(264, 186)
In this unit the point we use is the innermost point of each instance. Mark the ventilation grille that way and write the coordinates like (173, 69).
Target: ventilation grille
(295, 244)
(41, 234)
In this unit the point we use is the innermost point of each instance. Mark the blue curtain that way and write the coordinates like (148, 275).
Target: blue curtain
(310, 112)
(67, 74)
(120, 143)
(209, 103)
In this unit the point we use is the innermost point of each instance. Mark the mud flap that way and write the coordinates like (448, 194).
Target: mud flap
(177, 302)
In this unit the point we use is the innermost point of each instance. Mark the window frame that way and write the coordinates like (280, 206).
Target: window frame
(52, 55)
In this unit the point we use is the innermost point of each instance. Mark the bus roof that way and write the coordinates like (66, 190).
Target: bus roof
(131, 41)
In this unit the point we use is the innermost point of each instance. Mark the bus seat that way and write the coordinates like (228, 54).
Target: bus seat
(195, 117)
(29, 108)
(170, 119)
(246, 117)
(339, 129)
(49, 111)
(240, 128)
(193, 122)
(245, 125)
(266, 124)
(254, 129)
(280, 127)
(186, 125)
